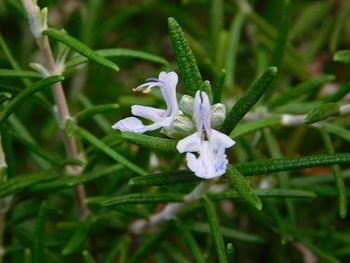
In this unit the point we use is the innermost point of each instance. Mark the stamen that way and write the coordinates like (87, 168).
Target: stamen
(151, 82)
(145, 86)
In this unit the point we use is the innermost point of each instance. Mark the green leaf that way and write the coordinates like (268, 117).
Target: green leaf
(118, 52)
(24, 182)
(87, 257)
(232, 48)
(316, 179)
(247, 169)
(271, 192)
(142, 198)
(320, 252)
(78, 237)
(297, 108)
(88, 113)
(324, 190)
(150, 244)
(280, 222)
(342, 197)
(316, 45)
(79, 47)
(337, 130)
(33, 147)
(22, 96)
(190, 242)
(283, 177)
(39, 235)
(219, 85)
(340, 23)
(176, 253)
(206, 86)
(70, 181)
(300, 90)
(175, 177)
(323, 112)
(7, 53)
(293, 59)
(309, 16)
(100, 120)
(4, 96)
(151, 142)
(241, 184)
(293, 63)
(245, 128)
(26, 237)
(342, 56)
(216, 23)
(248, 99)
(27, 255)
(288, 164)
(230, 251)
(215, 229)
(121, 247)
(7, 148)
(281, 39)
(109, 151)
(185, 59)
(12, 73)
(340, 93)
(227, 232)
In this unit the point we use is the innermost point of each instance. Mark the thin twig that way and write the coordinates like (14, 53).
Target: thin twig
(4, 202)
(63, 114)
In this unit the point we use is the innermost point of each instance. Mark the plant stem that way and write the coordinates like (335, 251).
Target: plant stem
(2, 230)
(169, 211)
(3, 205)
(63, 115)
(61, 106)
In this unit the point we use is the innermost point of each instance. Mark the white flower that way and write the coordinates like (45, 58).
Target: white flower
(207, 142)
(161, 118)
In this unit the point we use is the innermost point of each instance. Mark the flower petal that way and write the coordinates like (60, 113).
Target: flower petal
(204, 165)
(149, 113)
(189, 144)
(202, 112)
(166, 122)
(167, 84)
(133, 124)
(220, 163)
(220, 140)
(169, 78)
(207, 161)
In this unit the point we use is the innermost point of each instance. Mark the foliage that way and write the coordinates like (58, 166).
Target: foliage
(72, 189)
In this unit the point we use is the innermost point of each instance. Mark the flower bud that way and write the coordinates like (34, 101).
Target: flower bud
(186, 104)
(183, 124)
(181, 127)
(218, 114)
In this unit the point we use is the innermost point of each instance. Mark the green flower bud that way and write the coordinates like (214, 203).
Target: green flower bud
(183, 124)
(186, 104)
(181, 127)
(218, 114)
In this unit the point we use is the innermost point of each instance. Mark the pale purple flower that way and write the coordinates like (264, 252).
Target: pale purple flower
(161, 118)
(208, 143)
